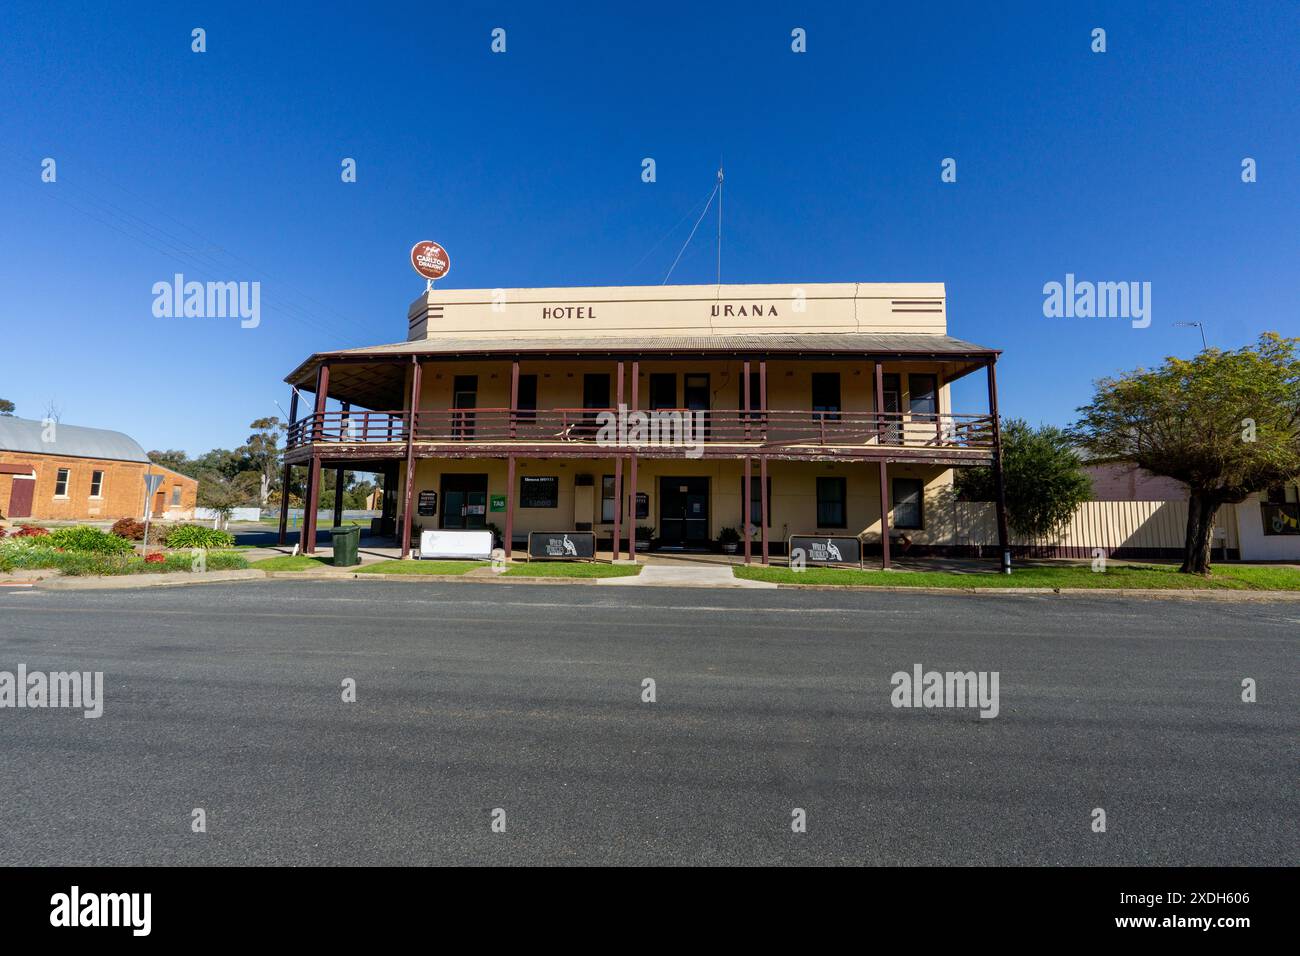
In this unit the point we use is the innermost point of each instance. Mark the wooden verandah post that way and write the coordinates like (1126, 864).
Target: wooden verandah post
(338, 472)
(618, 470)
(762, 461)
(312, 500)
(287, 477)
(411, 423)
(746, 518)
(884, 468)
(999, 490)
(510, 501)
(631, 538)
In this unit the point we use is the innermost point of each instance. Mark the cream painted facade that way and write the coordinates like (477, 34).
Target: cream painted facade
(793, 503)
(847, 381)
(810, 308)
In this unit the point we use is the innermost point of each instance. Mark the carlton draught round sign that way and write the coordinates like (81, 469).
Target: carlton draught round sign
(430, 260)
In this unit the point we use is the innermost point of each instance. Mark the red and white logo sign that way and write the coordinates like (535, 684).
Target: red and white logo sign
(430, 260)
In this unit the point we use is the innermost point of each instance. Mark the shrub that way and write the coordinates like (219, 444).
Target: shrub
(133, 530)
(128, 528)
(30, 531)
(36, 553)
(86, 538)
(197, 536)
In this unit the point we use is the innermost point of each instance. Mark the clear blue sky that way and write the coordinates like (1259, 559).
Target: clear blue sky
(526, 165)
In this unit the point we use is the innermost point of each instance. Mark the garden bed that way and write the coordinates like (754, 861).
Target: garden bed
(81, 550)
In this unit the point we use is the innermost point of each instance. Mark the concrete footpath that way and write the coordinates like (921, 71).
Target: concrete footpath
(714, 576)
(685, 576)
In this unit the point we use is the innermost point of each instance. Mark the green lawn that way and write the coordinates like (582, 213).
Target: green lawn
(292, 562)
(574, 569)
(1164, 577)
(420, 567)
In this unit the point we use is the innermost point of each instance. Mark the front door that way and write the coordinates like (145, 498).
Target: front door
(464, 501)
(20, 497)
(684, 512)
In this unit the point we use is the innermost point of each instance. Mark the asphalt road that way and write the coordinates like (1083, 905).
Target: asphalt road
(528, 699)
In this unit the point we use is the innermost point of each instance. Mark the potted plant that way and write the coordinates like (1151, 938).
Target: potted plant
(644, 534)
(729, 538)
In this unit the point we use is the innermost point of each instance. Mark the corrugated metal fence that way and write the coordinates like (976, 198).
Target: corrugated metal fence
(1119, 528)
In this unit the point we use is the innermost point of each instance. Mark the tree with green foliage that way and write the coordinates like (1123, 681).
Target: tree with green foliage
(1226, 424)
(221, 461)
(1043, 479)
(173, 458)
(6, 407)
(261, 454)
(221, 494)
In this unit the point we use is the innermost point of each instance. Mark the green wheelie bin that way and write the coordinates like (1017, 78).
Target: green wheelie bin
(346, 541)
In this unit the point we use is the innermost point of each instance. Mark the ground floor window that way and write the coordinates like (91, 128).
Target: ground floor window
(756, 499)
(539, 491)
(176, 496)
(830, 503)
(607, 500)
(96, 484)
(61, 483)
(908, 498)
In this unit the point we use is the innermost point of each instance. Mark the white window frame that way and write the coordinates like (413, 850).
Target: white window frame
(66, 482)
(100, 495)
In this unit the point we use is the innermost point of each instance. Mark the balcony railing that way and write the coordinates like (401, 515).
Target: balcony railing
(663, 427)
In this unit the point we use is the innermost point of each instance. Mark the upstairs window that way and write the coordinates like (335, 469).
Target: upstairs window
(924, 398)
(663, 390)
(527, 403)
(826, 395)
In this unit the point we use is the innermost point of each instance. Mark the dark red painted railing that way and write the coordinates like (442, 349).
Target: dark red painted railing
(584, 425)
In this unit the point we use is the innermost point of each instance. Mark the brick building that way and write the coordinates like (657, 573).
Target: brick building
(70, 473)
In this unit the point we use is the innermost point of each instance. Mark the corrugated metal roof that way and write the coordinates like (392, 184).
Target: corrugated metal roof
(917, 342)
(76, 441)
(379, 385)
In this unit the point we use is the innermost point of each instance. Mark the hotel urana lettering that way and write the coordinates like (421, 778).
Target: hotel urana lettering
(770, 411)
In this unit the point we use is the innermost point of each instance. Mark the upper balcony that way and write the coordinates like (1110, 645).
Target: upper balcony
(852, 371)
(951, 439)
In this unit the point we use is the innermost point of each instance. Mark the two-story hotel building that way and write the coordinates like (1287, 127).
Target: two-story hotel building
(819, 409)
